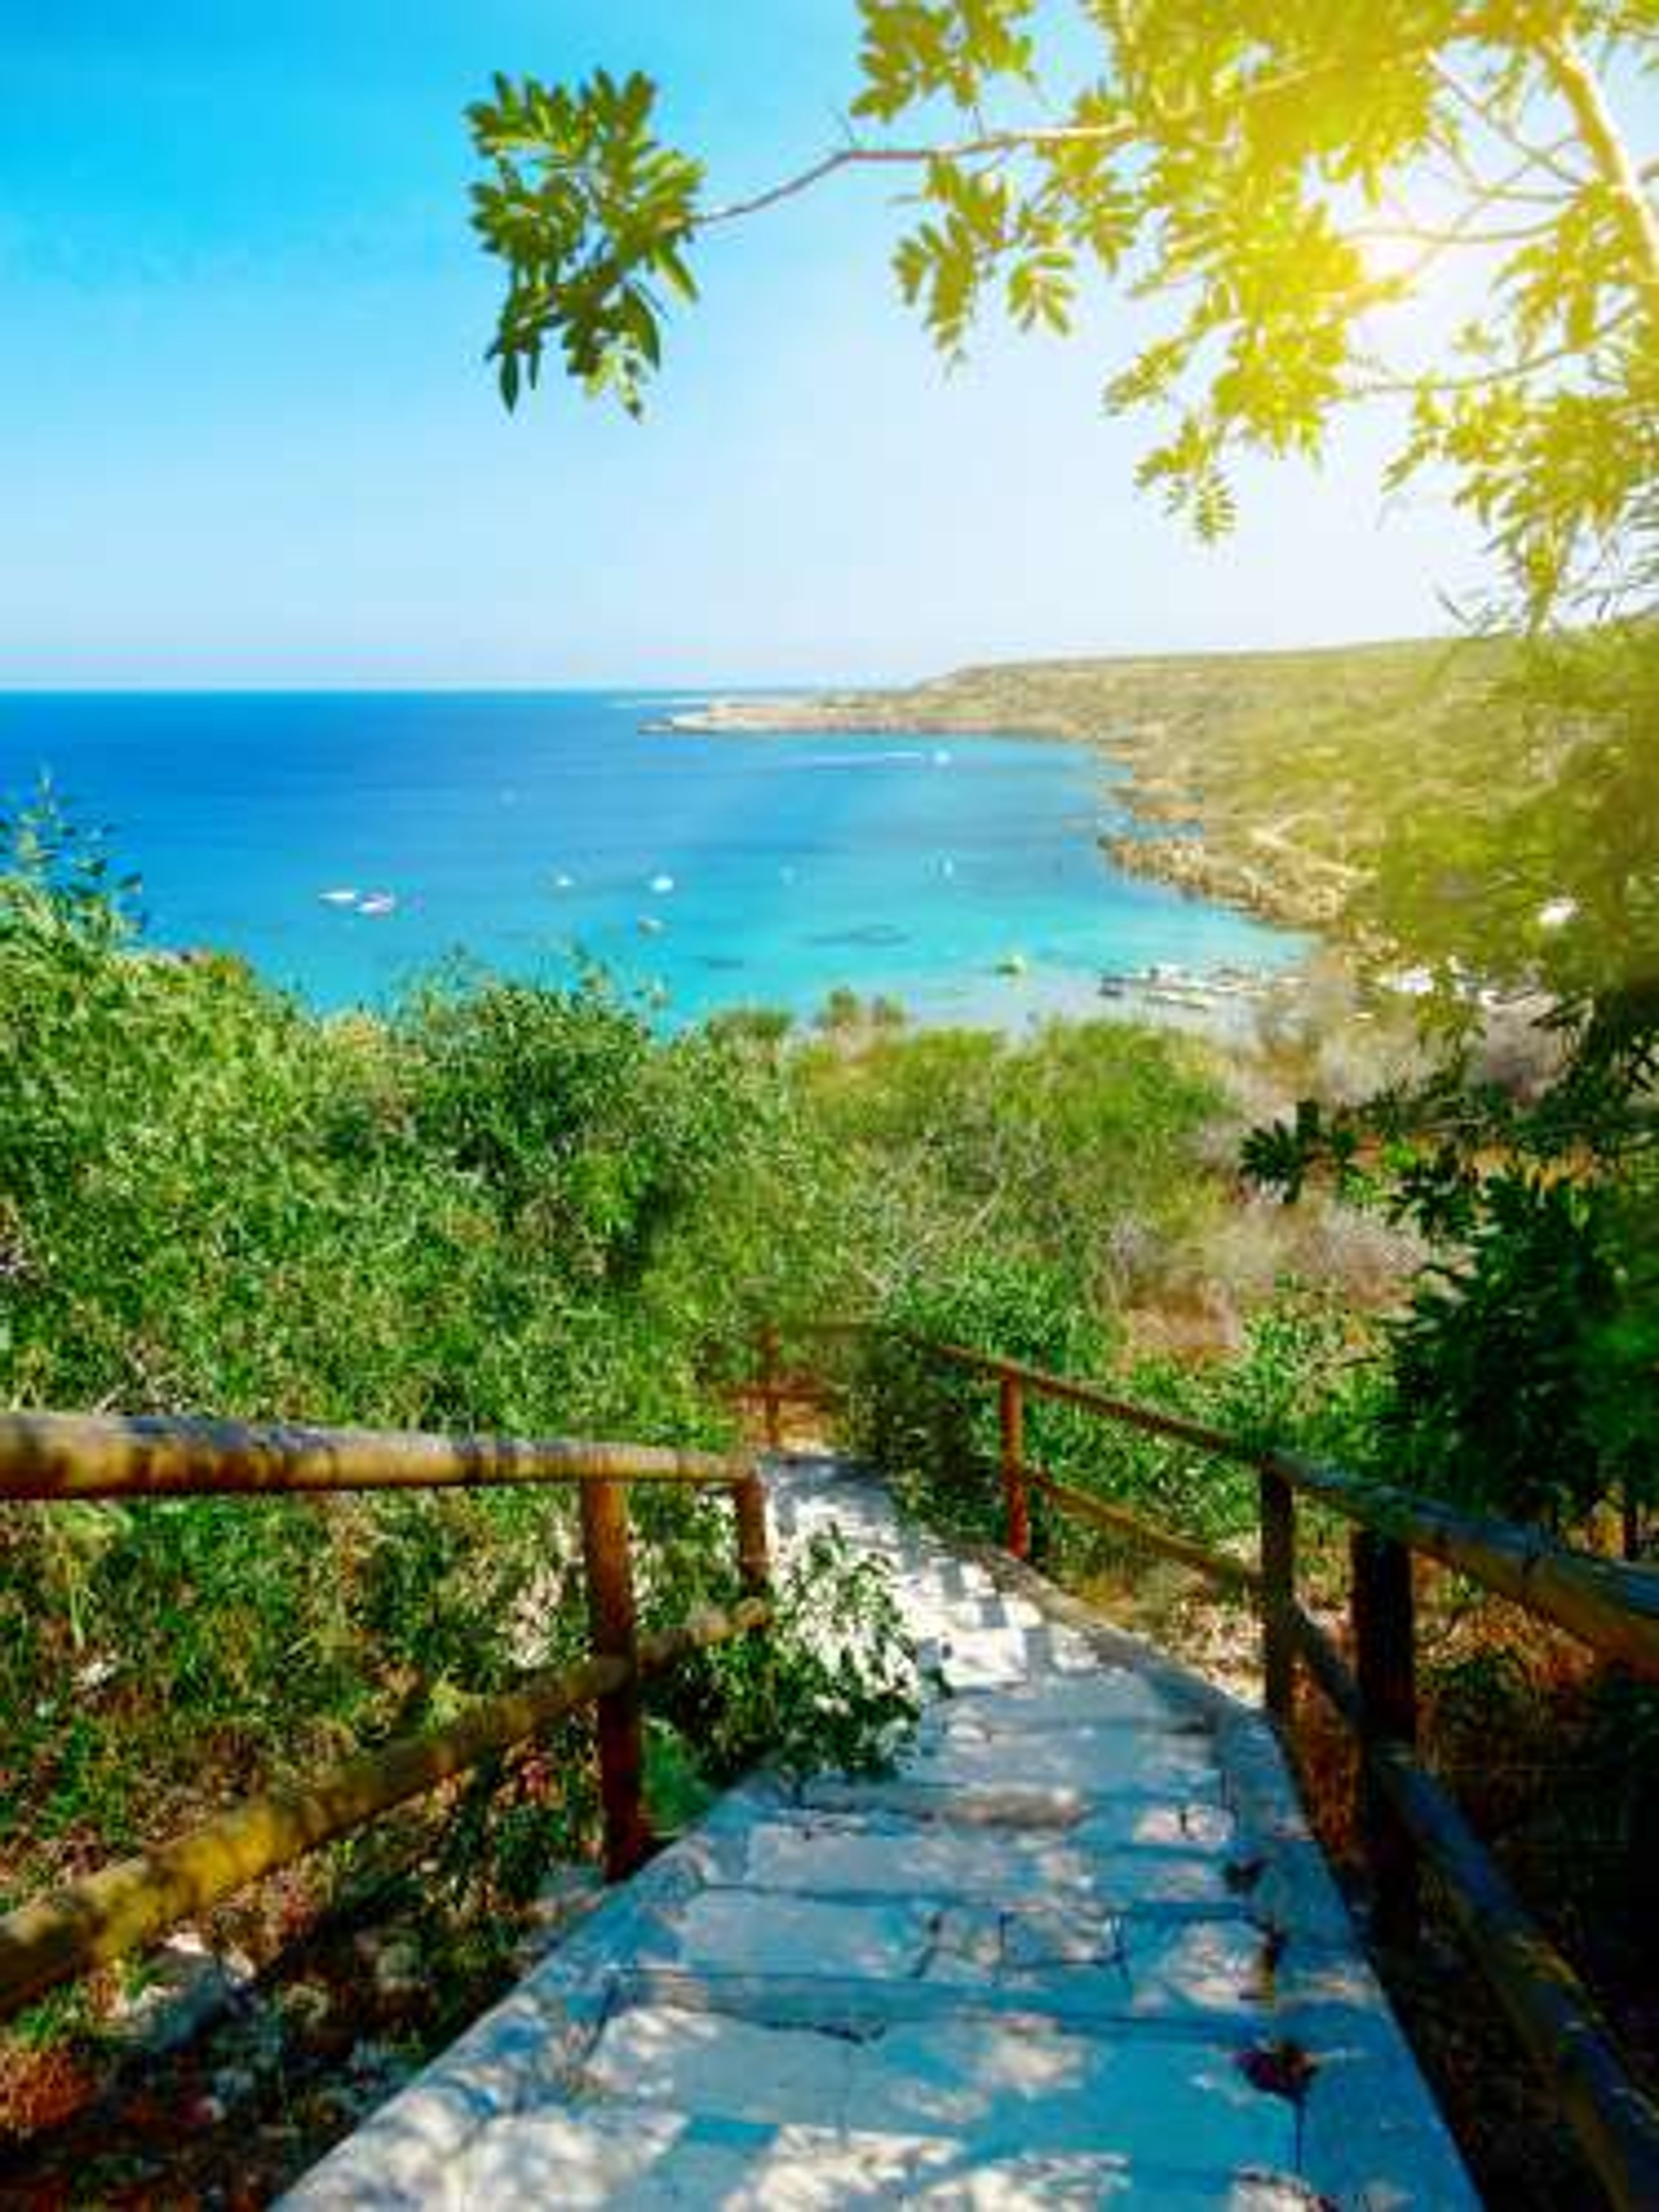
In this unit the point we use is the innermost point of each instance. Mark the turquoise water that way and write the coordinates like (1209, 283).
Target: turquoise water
(532, 831)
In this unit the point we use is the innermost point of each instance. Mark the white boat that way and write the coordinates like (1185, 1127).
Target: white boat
(346, 895)
(662, 885)
(564, 882)
(377, 902)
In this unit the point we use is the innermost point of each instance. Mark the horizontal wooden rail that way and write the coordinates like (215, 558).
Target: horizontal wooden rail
(123, 1906)
(55, 1459)
(700, 1632)
(1063, 1390)
(1117, 1521)
(60, 1458)
(1605, 1603)
(815, 1390)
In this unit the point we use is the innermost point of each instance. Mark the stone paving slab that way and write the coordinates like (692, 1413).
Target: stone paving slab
(838, 1853)
(994, 2086)
(863, 2007)
(1104, 1698)
(650, 2161)
(1039, 1965)
(1103, 1761)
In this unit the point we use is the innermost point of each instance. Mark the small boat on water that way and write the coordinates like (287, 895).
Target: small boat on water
(1012, 963)
(346, 895)
(662, 885)
(649, 925)
(377, 902)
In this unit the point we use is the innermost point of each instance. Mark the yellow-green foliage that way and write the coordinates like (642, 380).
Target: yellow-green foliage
(1074, 1149)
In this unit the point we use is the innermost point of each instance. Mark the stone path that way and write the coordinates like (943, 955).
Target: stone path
(1080, 1950)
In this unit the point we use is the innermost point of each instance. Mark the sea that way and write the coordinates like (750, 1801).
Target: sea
(350, 844)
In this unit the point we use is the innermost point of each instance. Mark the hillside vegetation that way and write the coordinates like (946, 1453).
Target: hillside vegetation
(501, 1209)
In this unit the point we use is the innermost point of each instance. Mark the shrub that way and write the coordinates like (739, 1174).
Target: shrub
(509, 1209)
(933, 1427)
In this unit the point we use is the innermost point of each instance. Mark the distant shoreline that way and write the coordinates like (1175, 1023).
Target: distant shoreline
(1267, 782)
(1266, 886)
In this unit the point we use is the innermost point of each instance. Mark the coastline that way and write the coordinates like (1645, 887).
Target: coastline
(1259, 781)
(703, 876)
(1190, 862)
(1215, 1003)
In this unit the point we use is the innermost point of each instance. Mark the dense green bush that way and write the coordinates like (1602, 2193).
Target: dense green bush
(1075, 1148)
(1507, 1393)
(1520, 1378)
(505, 1209)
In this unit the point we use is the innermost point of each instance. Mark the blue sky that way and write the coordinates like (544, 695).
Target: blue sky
(246, 437)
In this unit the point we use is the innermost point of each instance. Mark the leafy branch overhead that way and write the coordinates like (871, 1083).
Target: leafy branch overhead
(591, 214)
(1311, 192)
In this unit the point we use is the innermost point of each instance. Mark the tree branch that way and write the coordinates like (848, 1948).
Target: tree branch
(1578, 86)
(1108, 137)
(1411, 234)
(1461, 230)
(1536, 157)
(1509, 191)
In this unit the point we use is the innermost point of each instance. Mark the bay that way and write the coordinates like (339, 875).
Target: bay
(347, 842)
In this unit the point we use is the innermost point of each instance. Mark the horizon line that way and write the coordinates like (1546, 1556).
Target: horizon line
(487, 688)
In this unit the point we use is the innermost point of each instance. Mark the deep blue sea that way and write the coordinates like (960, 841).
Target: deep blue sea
(532, 832)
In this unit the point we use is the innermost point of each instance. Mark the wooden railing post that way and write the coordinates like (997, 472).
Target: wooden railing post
(1278, 1597)
(612, 1628)
(754, 1543)
(770, 1398)
(1385, 1674)
(1015, 1499)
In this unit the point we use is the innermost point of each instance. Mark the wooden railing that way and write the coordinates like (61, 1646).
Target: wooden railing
(776, 1385)
(47, 1459)
(1405, 1820)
